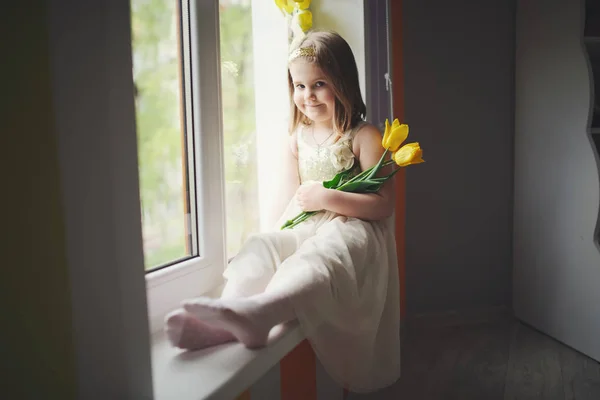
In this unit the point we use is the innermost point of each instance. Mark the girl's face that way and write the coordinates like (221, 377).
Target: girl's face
(313, 94)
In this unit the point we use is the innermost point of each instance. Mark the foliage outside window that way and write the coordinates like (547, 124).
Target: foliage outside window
(163, 152)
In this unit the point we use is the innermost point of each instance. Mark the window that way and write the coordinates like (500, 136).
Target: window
(206, 138)
(179, 149)
(165, 149)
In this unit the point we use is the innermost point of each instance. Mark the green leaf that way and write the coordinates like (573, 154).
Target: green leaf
(337, 180)
(365, 186)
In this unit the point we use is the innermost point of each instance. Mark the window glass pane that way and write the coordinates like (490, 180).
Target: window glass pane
(239, 122)
(162, 140)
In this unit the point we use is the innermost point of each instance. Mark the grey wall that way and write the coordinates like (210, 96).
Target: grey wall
(458, 58)
(557, 264)
(93, 118)
(38, 355)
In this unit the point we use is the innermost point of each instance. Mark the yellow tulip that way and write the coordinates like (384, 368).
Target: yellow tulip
(394, 135)
(408, 154)
(302, 4)
(286, 6)
(304, 20)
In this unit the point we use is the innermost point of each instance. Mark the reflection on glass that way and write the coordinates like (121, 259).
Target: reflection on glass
(239, 123)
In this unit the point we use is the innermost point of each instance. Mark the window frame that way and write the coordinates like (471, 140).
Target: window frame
(202, 274)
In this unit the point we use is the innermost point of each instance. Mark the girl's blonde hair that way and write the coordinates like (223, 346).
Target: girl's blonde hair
(330, 52)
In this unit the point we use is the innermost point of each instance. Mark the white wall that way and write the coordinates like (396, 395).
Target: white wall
(269, 31)
(556, 262)
(347, 18)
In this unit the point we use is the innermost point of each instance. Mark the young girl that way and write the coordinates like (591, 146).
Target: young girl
(335, 273)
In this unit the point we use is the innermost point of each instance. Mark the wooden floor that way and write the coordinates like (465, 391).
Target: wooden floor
(497, 359)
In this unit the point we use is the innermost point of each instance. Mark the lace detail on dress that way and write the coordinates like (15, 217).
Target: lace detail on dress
(323, 163)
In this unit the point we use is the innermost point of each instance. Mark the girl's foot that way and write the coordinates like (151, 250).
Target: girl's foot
(248, 319)
(187, 332)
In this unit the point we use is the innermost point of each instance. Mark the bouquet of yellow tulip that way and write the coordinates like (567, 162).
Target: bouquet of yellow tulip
(367, 181)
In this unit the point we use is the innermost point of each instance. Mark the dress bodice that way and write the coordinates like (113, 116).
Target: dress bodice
(322, 163)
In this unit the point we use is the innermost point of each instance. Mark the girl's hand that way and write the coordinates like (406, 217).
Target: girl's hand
(312, 197)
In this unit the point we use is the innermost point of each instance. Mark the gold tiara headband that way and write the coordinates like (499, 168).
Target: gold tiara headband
(308, 51)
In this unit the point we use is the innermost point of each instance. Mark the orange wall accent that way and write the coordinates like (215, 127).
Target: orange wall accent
(299, 373)
(398, 95)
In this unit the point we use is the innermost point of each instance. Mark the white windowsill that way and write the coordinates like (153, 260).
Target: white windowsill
(218, 373)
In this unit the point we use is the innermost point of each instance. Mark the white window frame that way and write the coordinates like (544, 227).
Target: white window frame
(202, 274)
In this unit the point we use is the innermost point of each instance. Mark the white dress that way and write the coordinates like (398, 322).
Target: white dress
(343, 272)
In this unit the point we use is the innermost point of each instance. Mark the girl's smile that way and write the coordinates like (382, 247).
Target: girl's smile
(312, 92)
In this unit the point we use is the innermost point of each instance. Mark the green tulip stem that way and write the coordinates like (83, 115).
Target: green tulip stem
(370, 172)
(298, 219)
(375, 169)
(393, 173)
